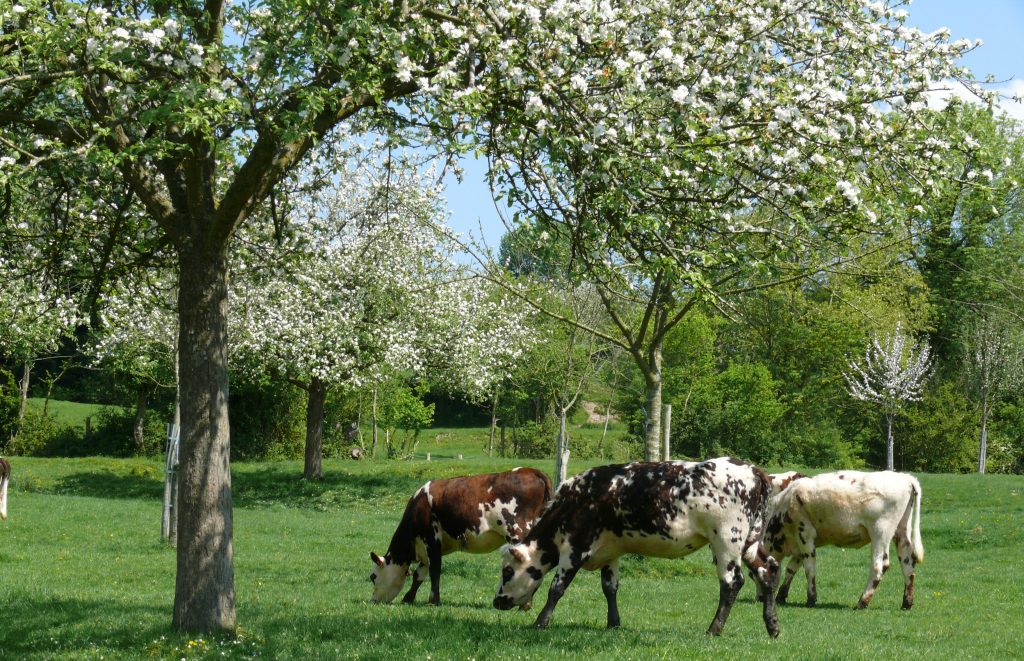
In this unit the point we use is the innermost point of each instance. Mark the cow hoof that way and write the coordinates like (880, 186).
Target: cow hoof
(434, 602)
(907, 605)
(861, 605)
(810, 602)
(540, 625)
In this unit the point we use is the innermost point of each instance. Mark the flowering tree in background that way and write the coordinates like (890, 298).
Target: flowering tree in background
(35, 321)
(694, 151)
(995, 364)
(135, 335)
(334, 303)
(892, 373)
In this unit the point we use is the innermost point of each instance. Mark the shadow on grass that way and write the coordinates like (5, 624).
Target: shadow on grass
(50, 627)
(254, 486)
(108, 484)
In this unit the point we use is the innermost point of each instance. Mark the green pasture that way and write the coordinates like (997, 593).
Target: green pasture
(84, 576)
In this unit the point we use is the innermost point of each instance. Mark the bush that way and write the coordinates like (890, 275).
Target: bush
(940, 434)
(10, 399)
(533, 440)
(821, 445)
(733, 412)
(268, 421)
(41, 436)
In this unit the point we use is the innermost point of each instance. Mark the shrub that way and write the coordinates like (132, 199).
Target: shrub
(41, 436)
(268, 421)
(940, 434)
(533, 440)
(733, 412)
(9, 402)
(820, 445)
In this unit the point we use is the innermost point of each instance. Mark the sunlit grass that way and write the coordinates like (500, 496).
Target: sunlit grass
(84, 576)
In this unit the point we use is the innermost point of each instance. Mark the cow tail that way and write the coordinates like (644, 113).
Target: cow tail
(916, 523)
(548, 493)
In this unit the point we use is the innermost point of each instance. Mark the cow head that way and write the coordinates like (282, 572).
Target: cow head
(521, 575)
(387, 577)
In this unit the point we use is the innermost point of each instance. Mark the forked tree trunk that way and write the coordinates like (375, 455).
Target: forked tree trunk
(494, 423)
(983, 445)
(316, 397)
(139, 426)
(562, 449)
(652, 436)
(373, 414)
(204, 596)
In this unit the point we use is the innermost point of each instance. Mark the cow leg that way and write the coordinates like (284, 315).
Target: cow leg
(418, 577)
(907, 564)
(434, 560)
(610, 587)
(791, 569)
(730, 580)
(879, 565)
(559, 584)
(810, 570)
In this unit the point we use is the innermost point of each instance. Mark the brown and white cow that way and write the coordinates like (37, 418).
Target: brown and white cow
(476, 514)
(847, 509)
(5, 476)
(665, 509)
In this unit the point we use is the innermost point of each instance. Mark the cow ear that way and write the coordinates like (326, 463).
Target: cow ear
(379, 561)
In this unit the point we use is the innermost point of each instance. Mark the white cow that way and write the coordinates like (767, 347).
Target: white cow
(847, 509)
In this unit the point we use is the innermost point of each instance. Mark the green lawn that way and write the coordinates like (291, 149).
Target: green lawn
(84, 576)
(67, 413)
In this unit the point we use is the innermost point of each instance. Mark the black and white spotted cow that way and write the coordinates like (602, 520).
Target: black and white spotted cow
(847, 509)
(666, 509)
(5, 476)
(476, 514)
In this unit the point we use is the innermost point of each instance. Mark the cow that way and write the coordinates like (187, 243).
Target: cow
(847, 509)
(663, 509)
(5, 476)
(476, 514)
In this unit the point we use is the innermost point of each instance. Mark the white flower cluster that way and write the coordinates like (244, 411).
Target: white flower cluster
(34, 320)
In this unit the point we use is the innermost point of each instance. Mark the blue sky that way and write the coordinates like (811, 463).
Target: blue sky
(998, 23)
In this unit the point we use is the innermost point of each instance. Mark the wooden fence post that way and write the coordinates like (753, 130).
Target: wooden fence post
(169, 522)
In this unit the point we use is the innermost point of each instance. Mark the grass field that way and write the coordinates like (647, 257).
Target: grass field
(83, 576)
(66, 413)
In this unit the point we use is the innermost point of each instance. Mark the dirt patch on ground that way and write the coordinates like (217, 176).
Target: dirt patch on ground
(595, 412)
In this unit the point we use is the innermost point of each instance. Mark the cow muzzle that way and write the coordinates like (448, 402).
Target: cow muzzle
(503, 602)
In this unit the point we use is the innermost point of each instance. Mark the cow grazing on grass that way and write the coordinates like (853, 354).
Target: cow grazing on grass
(665, 509)
(5, 476)
(475, 514)
(847, 509)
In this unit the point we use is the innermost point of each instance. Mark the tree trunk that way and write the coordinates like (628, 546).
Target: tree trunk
(607, 416)
(204, 597)
(983, 447)
(373, 414)
(652, 437)
(503, 446)
(561, 449)
(494, 423)
(139, 427)
(889, 463)
(26, 372)
(666, 423)
(316, 397)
